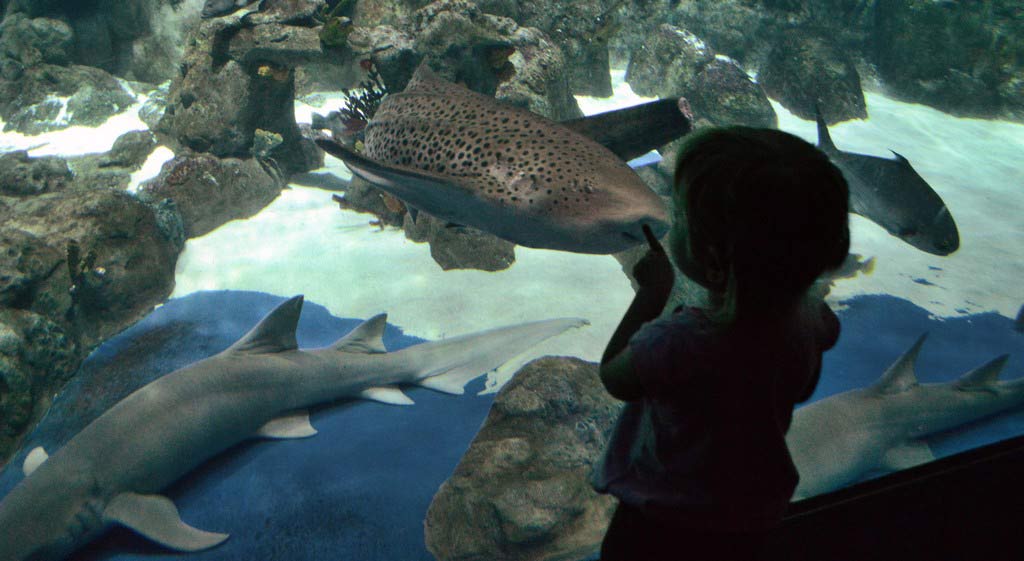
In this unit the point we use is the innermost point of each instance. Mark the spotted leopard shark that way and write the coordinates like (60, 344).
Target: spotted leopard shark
(472, 160)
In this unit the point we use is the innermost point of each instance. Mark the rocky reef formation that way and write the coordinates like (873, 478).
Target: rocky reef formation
(958, 57)
(78, 263)
(73, 63)
(139, 40)
(804, 72)
(238, 78)
(579, 31)
(209, 191)
(522, 489)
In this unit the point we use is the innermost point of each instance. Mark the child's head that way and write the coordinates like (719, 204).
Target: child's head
(760, 214)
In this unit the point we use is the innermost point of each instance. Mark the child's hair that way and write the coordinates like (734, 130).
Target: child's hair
(765, 208)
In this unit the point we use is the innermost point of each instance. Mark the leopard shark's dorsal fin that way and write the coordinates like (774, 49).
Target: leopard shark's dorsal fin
(425, 80)
(634, 131)
(367, 337)
(900, 376)
(275, 333)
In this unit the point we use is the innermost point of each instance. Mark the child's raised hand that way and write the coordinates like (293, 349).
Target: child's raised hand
(654, 270)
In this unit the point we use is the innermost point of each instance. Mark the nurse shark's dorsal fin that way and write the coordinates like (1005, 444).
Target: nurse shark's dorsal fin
(367, 337)
(900, 376)
(984, 377)
(274, 333)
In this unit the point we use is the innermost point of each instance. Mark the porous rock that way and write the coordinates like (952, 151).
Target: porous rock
(522, 491)
(210, 191)
(460, 247)
(668, 62)
(33, 104)
(581, 30)
(951, 55)
(26, 41)
(113, 170)
(21, 175)
(134, 259)
(679, 64)
(724, 94)
(36, 357)
(138, 40)
(238, 77)
(539, 84)
(803, 71)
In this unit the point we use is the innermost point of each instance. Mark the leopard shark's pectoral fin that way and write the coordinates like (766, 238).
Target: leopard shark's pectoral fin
(156, 518)
(407, 183)
(293, 425)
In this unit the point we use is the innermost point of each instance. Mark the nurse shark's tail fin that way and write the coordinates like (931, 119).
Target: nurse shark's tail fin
(449, 364)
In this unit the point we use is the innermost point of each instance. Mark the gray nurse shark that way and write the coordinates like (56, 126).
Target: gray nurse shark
(839, 439)
(893, 195)
(113, 470)
(470, 159)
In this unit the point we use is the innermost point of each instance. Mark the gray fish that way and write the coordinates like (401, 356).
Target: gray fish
(470, 159)
(112, 472)
(893, 195)
(216, 8)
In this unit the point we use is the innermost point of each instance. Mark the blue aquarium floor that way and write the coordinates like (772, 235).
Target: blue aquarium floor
(360, 489)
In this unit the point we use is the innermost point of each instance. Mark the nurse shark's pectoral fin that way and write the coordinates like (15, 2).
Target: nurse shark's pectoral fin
(400, 181)
(33, 460)
(635, 131)
(387, 394)
(293, 425)
(907, 455)
(156, 518)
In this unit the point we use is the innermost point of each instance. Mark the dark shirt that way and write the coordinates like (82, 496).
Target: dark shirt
(706, 445)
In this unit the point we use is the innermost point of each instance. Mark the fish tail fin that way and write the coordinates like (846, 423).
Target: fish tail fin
(449, 364)
(824, 138)
(868, 266)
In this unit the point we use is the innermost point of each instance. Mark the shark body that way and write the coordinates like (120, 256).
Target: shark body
(113, 470)
(470, 159)
(839, 439)
(217, 8)
(893, 195)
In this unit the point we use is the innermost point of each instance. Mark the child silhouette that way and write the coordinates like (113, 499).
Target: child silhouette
(698, 457)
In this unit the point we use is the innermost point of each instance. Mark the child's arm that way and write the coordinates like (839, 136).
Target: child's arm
(654, 276)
